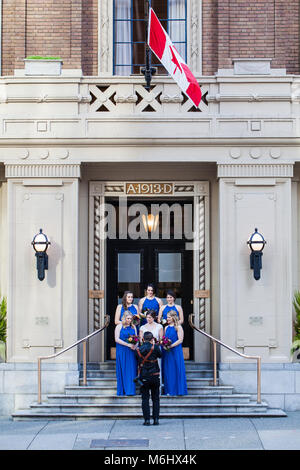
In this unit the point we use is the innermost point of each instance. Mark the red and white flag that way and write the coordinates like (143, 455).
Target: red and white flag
(162, 46)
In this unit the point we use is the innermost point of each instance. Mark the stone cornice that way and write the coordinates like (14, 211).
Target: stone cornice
(42, 171)
(146, 141)
(257, 171)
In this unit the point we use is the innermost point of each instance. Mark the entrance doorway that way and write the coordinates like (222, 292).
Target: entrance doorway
(178, 261)
(132, 264)
(166, 264)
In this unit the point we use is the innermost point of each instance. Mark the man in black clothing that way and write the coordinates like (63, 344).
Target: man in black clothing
(149, 372)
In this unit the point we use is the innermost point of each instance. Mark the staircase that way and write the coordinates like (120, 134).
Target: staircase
(99, 399)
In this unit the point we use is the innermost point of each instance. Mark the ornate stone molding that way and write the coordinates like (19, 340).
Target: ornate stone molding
(258, 170)
(45, 99)
(97, 255)
(202, 272)
(42, 171)
(251, 97)
(196, 36)
(130, 98)
(164, 98)
(105, 15)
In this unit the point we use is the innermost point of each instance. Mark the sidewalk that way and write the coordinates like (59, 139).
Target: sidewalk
(171, 434)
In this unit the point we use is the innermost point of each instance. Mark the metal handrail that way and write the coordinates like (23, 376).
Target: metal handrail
(84, 341)
(215, 341)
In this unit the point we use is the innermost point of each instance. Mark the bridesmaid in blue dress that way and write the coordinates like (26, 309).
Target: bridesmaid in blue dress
(126, 363)
(173, 367)
(126, 305)
(150, 302)
(171, 297)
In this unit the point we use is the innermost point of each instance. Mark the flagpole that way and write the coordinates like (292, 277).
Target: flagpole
(148, 70)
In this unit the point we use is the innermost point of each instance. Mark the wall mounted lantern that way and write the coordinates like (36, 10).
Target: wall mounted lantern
(256, 244)
(40, 244)
(150, 222)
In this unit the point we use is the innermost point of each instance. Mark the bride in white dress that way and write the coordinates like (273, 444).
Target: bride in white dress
(151, 325)
(156, 329)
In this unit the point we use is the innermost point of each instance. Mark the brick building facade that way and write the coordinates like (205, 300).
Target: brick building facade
(230, 29)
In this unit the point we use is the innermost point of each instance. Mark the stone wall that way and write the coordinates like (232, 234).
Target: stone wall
(19, 383)
(280, 383)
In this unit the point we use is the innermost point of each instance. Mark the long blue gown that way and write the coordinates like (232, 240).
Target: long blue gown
(173, 367)
(131, 309)
(167, 309)
(149, 304)
(126, 364)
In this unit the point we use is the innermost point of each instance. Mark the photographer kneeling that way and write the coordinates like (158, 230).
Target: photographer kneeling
(148, 376)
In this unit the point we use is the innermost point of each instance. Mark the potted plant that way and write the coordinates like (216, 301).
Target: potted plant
(42, 65)
(3, 325)
(296, 342)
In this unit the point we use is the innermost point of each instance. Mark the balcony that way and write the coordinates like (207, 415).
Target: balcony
(74, 109)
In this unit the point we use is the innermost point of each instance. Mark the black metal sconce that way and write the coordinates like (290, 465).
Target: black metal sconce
(256, 244)
(40, 244)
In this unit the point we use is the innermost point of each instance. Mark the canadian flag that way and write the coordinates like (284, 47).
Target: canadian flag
(162, 46)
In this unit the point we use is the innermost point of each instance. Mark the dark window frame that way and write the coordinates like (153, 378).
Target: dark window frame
(134, 64)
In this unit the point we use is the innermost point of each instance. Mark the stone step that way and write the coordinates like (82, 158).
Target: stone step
(107, 399)
(212, 389)
(112, 381)
(111, 365)
(130, 408)
(99, 400)
(111, 373)
(25, 415)
(111, 390)
(96, 389)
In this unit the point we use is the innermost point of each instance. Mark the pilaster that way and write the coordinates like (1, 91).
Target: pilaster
(254, 314)
(42, 315)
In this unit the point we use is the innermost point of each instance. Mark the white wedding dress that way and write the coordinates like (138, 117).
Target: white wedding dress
(155, 331)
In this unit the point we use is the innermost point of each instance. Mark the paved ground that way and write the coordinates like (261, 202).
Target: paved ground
(171, 434)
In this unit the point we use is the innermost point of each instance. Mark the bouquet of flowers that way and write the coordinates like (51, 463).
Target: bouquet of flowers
(135, 320)
(166, 343)
(144, 312)
(132, 339)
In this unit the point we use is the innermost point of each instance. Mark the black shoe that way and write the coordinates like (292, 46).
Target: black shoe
(155, 422)
(146, 422)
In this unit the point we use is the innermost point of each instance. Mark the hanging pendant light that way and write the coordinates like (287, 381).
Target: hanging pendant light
(150, 222)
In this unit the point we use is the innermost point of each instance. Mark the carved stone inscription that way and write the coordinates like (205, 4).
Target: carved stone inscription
(149, 188)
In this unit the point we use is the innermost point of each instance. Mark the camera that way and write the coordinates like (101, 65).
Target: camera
(137, 380)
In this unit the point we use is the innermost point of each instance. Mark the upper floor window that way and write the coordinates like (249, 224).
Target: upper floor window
(130, 32)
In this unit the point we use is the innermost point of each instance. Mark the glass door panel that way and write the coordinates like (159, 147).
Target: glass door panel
(169, 267)
(129, 267)
(129, 274)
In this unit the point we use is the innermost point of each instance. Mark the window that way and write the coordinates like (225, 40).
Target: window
(130, 32)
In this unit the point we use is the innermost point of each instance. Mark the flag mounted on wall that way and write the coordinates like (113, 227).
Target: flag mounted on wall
(162, 46)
